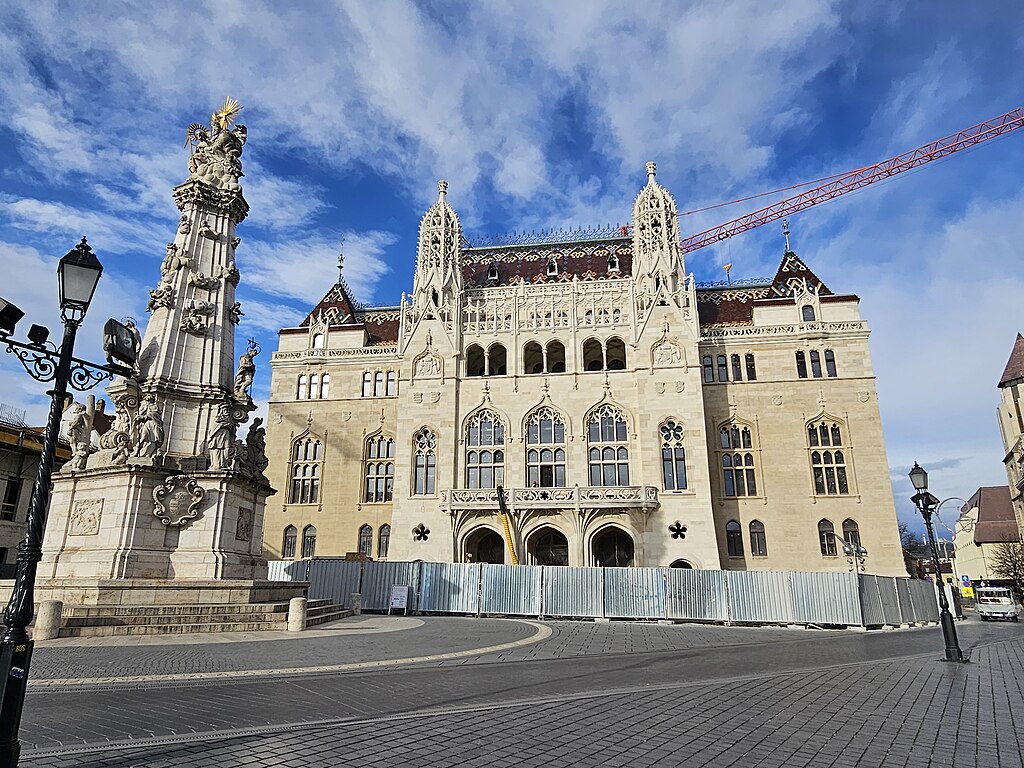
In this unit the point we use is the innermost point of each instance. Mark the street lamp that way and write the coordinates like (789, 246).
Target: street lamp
(77, 273)
(926, 504)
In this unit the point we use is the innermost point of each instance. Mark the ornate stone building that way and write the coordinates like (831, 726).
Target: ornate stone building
(632, 416)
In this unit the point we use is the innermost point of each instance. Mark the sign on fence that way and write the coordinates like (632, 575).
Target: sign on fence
(399, 598)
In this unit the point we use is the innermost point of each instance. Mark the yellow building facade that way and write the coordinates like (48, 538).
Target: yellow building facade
(630, 415)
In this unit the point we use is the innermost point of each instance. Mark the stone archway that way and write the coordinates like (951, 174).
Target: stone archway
(548, 546)
(681, 564)
(484, 546)
(613, 547)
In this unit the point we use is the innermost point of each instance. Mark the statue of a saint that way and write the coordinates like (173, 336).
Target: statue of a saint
(149, 427)
(246, 372)
(79, 436)
(221, 443)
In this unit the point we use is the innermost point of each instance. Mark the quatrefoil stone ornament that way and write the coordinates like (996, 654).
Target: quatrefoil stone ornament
(420, 532)
(678, 530)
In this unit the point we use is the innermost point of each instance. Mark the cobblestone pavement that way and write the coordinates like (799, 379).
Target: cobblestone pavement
(799, 699)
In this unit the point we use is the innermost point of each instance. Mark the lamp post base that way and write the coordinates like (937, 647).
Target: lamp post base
(953, 652)
(14, 661)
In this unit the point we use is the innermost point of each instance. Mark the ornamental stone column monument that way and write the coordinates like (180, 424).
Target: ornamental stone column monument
(173, 493)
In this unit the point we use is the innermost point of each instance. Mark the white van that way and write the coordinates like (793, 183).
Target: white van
(997, 603)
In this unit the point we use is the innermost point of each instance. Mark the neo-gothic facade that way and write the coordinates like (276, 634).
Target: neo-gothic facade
(631, 416)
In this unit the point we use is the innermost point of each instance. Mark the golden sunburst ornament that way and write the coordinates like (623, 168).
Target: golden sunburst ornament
(225, 116)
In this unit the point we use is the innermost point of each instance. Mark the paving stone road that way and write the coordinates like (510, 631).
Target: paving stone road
(588, 694)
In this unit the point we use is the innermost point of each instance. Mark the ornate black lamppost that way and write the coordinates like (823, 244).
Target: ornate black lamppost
(926, 504)
(77, 273)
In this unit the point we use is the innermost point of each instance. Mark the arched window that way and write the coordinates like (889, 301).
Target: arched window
(379, 469)
(828, 466)
(758, 542)
(815, 364)
(378, 384)
(738, 475)
(367, 384)
(555, 354)
(734, 539)
(533, 358)
(709, 368)
(615, 354)
(807, 313)
(318, 341)
(751, 369)
(613, 262)
(314, 387)
(830, 363)
(801, 365)
(737, 369)
(475, 360)
(392, 385)
(325, 386)
(552, 270)
(545, 449)
(383, 541)
(497, 360)
(300, 393)
(291, 535)
(485, 454)
(851, 532)
(723, 369)
(593, 355)
(613, 548)
(827, 538)
(307, 461)
(673, 456)
(492, 274)
(425, 469)
(309, 541)
(608, 447)
(366, 540)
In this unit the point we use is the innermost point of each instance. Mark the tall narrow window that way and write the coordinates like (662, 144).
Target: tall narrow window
(380, 469)
(291, 535)
(367, 384)
(738, 471)
(801, 365)
(723, 369)
(751, 369)
(827, 538)
(673, 456)
(815, 364)
(302, 389)
(608, 451)
(485, 452)
(383, 541)
(378, 384)
(709, 369)
(830, 363)
(314, 387)
(737, 370)
(734, 539)
(366, 540)
(392, 386)
(307, 460)
(325, 386)
(758, 542)
(309, 541)
(828, 458)
(545, 449)
(851, 532)
(9, 505)
(807, 313)
(425, 469)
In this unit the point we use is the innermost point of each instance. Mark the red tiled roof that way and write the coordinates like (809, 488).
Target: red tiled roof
(1014, 370)
(336, 298)
(588, 261)
(996, 522)
(381, 327)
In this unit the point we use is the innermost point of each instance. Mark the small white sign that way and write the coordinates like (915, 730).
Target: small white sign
(399, 598)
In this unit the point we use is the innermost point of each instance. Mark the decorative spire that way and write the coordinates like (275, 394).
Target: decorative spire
(785, 231)
(652, 170)
(442, 190)
(341, 258)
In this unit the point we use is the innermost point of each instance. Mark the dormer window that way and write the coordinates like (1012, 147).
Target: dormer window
(613, 263)
(807, 313)
(552, 268)
(492, 273)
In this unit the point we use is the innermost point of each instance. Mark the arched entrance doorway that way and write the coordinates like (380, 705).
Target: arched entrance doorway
(613, 548)
(485, 546)
(548, 547)
(681, 564)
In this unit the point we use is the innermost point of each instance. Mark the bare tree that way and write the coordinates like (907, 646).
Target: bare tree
(1008, 563)
(914, 550)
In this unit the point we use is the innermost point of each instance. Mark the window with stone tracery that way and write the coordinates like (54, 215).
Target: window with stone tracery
(425, 463)
(379, 471)
(739, 476)
(291, 536)
(307, 463)
(545, 452)
(673, 456)
(828, 457)
(608, 451)
(485, 450)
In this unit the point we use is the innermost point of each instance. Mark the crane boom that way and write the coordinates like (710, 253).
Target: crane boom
(859, 178)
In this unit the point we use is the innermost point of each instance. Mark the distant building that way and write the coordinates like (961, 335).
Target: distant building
(633, 416)
(1011, 427)
(986, 521)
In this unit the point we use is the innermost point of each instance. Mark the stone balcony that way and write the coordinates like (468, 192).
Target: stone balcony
(629, 497)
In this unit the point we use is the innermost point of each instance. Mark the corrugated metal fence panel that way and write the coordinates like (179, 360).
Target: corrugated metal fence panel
(333, 579)
(890, 600)
(378, 578)
(758, 596)
(288, 570)
(450, 587)
(926, 599)
(691, 594)
(870, 601)
(634, 593)
(907, 614)
(572, 591)
(826, 598)
(511, 589)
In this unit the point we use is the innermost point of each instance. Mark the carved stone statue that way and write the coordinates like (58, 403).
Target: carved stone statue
(174, 260)
(216, 159)
(194, 320)
(234, 242)
(235, 313)
(117, 442)
(229, 272)
(149, 428)
(79, 436)
(205, 230)
(255, 457)
(161, 296)
(199, 280)
(184, 225)
(246, 372)
(223, 447)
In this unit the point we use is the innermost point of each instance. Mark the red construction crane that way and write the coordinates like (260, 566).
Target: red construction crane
(854, 180)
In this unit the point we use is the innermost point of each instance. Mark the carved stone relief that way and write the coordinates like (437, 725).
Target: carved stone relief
(196, 317)
(184, 225)
(161, 296)
(177, 500)
(199, 280)
(243, 528)
(667, 353)
(174, 260)
(85, 517)
(428, 366)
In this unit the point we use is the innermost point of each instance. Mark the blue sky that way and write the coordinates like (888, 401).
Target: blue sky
(538, 115)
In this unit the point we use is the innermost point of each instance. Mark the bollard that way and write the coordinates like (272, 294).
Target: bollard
(296, 614)
(47, 625)
(356, 601)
